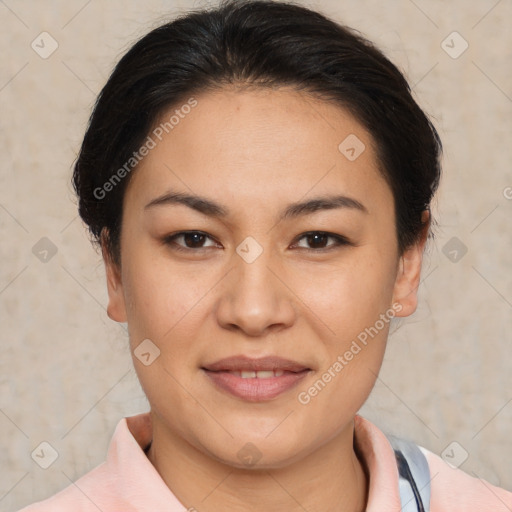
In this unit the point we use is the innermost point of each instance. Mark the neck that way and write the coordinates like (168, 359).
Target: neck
(331, 479)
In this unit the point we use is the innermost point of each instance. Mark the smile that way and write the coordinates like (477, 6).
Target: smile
(255, 386)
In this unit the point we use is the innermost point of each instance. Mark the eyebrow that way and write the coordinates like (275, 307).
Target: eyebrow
(293, 210)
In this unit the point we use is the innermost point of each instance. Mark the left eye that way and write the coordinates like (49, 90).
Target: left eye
(317, 238)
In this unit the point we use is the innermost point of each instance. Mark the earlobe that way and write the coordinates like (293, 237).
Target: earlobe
(116, 309)
(409, 272)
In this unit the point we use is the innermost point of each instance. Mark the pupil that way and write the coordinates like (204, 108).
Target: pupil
(190, 236)
(315, 237)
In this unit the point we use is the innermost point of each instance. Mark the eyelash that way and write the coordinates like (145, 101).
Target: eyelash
(340, 241)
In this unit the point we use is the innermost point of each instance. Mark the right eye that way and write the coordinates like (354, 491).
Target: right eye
(191, 240)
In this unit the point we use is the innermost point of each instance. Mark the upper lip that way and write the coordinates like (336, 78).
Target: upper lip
(235, 363)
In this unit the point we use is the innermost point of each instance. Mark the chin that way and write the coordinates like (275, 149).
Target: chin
(264, 452)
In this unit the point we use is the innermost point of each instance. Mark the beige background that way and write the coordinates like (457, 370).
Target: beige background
(66, 375)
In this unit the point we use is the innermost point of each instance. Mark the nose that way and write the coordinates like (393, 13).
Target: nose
(255, 298)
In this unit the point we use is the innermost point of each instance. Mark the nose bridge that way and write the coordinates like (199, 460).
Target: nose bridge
(253, 279)
(253, 265)
(254, 298)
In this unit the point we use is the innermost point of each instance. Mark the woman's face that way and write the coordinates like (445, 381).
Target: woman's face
(255, 282)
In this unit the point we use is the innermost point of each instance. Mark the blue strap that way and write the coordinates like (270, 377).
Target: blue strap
(414, 475)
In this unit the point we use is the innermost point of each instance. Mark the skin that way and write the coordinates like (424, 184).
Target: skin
(255, 152)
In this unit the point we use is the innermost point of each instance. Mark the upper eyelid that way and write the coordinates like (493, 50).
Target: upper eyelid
(182, 233)
(340, 239)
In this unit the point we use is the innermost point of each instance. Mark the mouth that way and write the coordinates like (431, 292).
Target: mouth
(255, 380)
(253, 374)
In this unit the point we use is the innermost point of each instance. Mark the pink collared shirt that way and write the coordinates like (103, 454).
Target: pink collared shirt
(128, 482)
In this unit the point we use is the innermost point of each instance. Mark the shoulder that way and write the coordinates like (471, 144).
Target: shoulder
(99, 489)
(446, 488)
(125, 481)
(84, 495)
(454, 490)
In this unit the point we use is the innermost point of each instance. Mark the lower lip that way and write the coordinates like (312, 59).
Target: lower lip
(254, 389)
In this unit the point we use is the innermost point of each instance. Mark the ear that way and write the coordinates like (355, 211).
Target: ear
(116, 309)
(409, 271)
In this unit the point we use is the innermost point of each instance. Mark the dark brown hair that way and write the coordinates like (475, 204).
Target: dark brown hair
(257, 43)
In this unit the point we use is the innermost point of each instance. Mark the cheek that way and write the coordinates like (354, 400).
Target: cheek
(350, 295)
(162, 302)
(159, 296)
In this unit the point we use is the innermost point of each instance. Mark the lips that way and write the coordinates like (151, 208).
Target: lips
(244, 363)
(255, 380)
(260, 374)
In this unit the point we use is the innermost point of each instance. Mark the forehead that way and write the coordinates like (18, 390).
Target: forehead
(275, 144)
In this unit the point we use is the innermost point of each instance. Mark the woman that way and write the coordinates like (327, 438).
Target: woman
(259, 180)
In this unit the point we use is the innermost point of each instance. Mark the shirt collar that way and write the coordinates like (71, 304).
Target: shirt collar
(137, 480)
(140, 484)
(379, 458)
